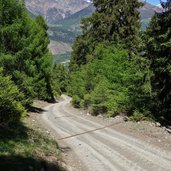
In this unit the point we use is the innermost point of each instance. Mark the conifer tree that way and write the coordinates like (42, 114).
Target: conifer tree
(24, 45)
(113, 21)
(159, 52)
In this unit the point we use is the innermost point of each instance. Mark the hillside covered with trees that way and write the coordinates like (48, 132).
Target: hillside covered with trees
(115, 68)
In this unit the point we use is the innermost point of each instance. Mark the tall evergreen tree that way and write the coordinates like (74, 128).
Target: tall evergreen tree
(159, 52)
(24, 45)
(113, 21)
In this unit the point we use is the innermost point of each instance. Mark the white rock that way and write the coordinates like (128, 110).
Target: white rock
(158, 124)
(100, 116)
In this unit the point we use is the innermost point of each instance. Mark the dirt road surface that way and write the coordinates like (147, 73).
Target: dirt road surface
(96, 146)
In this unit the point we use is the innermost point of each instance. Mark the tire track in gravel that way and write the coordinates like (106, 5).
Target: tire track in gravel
(100, 147)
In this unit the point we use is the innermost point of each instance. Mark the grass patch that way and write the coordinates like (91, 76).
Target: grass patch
(25, 147)
(139, 116)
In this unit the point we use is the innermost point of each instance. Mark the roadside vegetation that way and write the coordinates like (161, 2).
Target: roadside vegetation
(116, 68)
(26, 65)
(26, 72)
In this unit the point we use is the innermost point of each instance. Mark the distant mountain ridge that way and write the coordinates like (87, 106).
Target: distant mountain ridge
(54, 10)
(147, 11)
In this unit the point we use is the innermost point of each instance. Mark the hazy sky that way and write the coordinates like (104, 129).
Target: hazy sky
(155, 2)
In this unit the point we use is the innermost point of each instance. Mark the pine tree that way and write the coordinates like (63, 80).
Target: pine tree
(24, 47)
(159, 52)
(60, 78)
(113, 21)
(111, 83)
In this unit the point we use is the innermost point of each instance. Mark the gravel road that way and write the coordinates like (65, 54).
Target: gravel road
(98, 146)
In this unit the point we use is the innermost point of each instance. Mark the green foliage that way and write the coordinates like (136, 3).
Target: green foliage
(139, 116)
(24, 47)
(11, 101)
(117, 22)
(60, 78)
(25, 59)
(107, 79)
(158, 45)
(111, 83)
(76, 101)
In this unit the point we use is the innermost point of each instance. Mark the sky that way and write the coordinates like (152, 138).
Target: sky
(155, 2)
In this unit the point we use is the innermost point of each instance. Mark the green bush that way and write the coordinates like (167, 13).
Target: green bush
(111, 83)
(97, 109)
(76, 101)
(11, 101)
(139, 116)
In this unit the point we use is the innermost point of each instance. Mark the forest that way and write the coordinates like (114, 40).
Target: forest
(26, 64)
(115, 67)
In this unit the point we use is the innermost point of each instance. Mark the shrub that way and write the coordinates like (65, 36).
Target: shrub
(141, 116)
(76, 101)
(11, 101)
(111, 83)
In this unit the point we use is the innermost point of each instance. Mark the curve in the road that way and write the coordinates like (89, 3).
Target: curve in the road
(100, 147)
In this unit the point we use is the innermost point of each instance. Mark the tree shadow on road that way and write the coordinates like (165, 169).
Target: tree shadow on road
(20, 163)
(35, 109)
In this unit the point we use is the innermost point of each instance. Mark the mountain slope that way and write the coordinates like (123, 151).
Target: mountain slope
(67, 29)
(75, 19)
(146, 12)
(53, 10)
